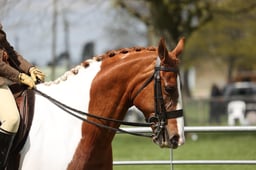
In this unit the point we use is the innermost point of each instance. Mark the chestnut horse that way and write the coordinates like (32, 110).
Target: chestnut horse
(106, 86)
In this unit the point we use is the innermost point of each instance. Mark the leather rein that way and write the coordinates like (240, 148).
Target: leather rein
(159, 120)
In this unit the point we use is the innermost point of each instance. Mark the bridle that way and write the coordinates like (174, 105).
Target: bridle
(159, 120)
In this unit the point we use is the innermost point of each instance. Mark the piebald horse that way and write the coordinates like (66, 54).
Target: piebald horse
(106, 86)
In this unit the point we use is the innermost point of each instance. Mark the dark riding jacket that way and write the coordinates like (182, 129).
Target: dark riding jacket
(11, 63)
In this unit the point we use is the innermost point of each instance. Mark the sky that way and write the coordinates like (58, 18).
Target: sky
(28, 24)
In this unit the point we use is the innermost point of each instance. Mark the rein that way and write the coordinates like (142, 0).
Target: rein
(72, 112)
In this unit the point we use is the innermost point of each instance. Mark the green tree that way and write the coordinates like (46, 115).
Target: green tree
(222, 18)
(171, 19)
(228, 38)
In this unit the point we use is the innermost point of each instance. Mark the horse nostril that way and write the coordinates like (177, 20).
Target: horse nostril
(175, 141)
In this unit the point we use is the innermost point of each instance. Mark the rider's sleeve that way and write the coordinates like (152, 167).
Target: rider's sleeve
(15, 60)
(6, 70)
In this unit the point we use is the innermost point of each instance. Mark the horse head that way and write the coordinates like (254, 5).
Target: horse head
(165, 111)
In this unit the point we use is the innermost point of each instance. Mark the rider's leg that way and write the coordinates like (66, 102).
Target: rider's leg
(9, 119)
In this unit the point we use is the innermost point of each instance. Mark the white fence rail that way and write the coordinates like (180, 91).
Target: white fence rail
(194, 129)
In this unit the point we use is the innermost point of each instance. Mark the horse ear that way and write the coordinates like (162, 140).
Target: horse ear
(179, 48)
(162, 50)
(164, 54)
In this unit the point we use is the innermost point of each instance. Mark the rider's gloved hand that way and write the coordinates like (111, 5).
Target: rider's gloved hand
(35, 74)
(27, 80)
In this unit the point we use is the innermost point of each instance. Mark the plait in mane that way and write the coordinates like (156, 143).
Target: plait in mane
(87, 62)
(73, 71)
(113, 53)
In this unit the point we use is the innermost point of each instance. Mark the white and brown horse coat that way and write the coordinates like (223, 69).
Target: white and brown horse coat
(105, 86)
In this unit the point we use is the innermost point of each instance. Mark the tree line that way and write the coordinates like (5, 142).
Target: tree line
(220, 30)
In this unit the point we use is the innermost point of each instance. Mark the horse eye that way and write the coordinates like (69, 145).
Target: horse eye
(170, 89)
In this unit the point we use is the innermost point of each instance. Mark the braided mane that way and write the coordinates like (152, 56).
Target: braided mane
(86, 63)
(113, 53)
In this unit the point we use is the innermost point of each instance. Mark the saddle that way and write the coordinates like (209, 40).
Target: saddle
(25, 100)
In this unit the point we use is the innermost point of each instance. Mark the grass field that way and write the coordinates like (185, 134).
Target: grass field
(208, 147)
(212, 146)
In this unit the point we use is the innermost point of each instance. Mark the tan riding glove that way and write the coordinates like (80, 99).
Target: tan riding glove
(35, 74)
(27, 80)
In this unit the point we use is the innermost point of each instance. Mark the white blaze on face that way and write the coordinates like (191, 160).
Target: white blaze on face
(180, 120)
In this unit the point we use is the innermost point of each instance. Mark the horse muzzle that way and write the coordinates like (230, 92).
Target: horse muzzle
(164, 140)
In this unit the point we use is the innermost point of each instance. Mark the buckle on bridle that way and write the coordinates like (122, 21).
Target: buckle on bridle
(157, 126)
(158, 123)
(153, 120)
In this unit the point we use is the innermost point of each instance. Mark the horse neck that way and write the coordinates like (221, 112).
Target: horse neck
(114, 85)
(110, 96)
